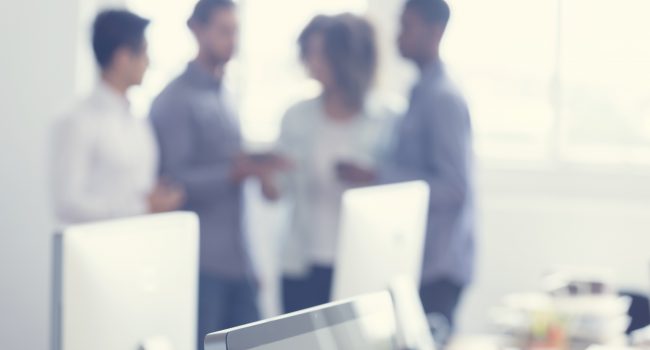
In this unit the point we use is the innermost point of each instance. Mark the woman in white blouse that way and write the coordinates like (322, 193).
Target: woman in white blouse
(340, 125)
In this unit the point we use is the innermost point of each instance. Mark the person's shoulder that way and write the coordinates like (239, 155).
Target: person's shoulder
(302, 111)
(447, 100)
(384, 106)
(177, 89)
(305, 105)
(174, 97)
(82, 117)
(90, 108)
(447, 89)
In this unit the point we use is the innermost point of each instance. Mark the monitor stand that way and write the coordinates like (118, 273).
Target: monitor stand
(156, 343)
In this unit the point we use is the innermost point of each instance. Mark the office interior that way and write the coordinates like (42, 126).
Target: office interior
(560, 105)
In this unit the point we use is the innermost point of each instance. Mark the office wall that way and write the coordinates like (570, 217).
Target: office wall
(45, 63)
(534, 220)
(36, 81)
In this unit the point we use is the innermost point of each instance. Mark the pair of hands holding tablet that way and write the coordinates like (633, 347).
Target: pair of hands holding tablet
(264, 166)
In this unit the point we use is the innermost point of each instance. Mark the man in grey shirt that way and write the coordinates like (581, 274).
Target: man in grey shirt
(433, 143)
(201, 151)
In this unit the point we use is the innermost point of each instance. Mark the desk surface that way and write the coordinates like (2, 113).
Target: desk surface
(474, 342)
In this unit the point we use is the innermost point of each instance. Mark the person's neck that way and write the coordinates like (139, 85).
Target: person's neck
(211, 65)
(116, 83)
(336, 106)
(428, 61)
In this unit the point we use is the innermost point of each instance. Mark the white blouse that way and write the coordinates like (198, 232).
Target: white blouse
(316, 144)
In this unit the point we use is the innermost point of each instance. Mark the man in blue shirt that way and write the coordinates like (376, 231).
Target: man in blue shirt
(434, 143)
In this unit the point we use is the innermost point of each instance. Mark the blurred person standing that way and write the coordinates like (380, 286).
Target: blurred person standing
(202, 152)
(342, 124)
(105, 159)
(434, 144)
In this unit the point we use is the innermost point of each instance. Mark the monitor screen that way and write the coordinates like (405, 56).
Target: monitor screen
(383, 229)
(367, 322)
(127, 283)
(367, 333)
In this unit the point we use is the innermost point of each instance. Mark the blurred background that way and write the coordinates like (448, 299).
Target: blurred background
(559, 92)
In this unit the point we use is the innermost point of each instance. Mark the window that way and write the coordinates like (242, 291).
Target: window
(171, 46)
(558, 81)
(271, 73)
(605, 71)
(503, 52)
(266, 73)
(563, 80)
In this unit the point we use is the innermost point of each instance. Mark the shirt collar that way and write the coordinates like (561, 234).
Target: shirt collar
(366, 111)
(433, 70)
(429, 75)
(196, 74)
(109, 98)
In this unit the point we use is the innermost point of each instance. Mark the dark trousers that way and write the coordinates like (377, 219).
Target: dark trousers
(441, 297)
(225, 303)
(312, 290)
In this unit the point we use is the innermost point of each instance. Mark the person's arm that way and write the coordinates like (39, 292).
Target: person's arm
(73, 144)
(447, 149)
(279, 184)
(175, 134)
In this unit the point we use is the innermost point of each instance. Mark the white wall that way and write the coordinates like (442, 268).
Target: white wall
(36, 82)
(532, 221)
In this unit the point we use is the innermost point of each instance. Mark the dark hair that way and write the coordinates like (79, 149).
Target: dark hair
(350, 50)
(116, 29)
(432, 11)
(204, 8)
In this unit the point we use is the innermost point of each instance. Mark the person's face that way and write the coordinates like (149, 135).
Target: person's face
(133, 64)
(416, 36)
(316, 61)
(139, 64)
(219, 36)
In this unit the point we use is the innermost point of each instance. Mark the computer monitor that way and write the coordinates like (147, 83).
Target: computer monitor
(413, 329)
(363, 323)
(127, 284)
(381, 239)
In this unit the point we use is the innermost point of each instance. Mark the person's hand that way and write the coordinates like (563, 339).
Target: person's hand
(259, 165)
(271, 162)
(243, 167)
(165, 197)
(269, 165)
(354, 173)
(270, 190)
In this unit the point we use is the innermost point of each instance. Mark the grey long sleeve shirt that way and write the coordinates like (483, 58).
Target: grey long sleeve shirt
(199, 138)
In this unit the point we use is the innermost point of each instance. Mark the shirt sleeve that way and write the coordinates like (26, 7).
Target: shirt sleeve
(174, 129)
(73, 141)
(289, 145)
(447, 152)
